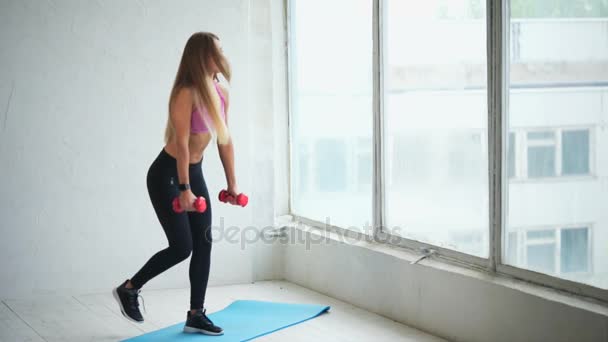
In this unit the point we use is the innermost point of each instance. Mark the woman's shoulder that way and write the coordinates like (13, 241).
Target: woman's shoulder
(184, 92)
(183, 97)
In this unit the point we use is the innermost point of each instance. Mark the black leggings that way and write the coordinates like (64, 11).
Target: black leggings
(186, 232)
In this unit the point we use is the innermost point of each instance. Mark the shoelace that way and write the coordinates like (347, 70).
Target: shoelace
(204, 316)
(136, 302)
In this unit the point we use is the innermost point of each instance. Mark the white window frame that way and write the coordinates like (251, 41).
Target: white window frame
(348, 160)
(498, 23)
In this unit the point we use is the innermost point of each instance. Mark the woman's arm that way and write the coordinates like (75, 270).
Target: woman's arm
(181, 111)
(227, 151)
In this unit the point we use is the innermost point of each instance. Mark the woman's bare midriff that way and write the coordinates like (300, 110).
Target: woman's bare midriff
(196, 144)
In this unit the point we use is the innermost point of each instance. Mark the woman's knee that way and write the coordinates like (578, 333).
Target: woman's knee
(181, 252)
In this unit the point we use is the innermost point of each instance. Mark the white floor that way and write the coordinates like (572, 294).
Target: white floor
(96, 317)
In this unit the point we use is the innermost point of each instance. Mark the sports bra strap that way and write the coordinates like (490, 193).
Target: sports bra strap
(219, 91)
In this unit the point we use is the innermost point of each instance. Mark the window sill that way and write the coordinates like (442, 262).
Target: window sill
(286, 222)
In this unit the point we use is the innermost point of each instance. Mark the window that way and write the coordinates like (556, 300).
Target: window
(417, 167)
(435, 111)
(548, 153)
(541, 250)
(330, 162)
(575, 250)
(464, 166)
(331, 104)
(563, 251)
(426, 79)
(541, 154)
(558, 76)
(575, 152)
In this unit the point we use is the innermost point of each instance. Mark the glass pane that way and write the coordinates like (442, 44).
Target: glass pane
(558, 74)
(436, 113)
(575, 152)
(417, 168)
(575, 250)
(331, 88)
(541, 258)
(303, 166)
(541, 161)
(364, 171)
(330, 161)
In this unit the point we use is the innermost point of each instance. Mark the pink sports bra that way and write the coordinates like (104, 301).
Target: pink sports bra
(197, 124)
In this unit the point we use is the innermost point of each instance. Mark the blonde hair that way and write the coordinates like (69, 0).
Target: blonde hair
(193, 73)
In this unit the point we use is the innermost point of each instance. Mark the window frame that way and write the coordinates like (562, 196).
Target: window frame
(497, 48)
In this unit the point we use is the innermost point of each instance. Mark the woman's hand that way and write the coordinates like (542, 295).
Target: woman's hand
(186, 200)
(233, 191)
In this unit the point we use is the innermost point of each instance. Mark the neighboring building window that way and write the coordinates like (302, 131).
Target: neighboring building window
(575, 152)
(548, 153)
(541, 154)
(555, 251)
(540, 250)
(575, 250)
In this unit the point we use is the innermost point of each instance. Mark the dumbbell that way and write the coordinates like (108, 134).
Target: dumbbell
(241, 199)
(199, 204)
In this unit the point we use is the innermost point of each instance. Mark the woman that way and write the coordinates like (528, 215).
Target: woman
(198, 108)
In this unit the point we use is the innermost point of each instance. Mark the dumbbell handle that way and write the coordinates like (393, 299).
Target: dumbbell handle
(200, 205)
(241, 199)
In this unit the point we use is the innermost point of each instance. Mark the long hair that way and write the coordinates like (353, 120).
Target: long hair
(193, 73)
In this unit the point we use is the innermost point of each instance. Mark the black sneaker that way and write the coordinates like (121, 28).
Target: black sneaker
(127, 300)
(200, 323)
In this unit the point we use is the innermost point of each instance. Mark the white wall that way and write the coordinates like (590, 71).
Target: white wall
(564, 43)
(84, 87)
(267, 91)
(445, 300)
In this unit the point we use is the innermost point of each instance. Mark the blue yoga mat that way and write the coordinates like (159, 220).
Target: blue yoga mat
(242, 320)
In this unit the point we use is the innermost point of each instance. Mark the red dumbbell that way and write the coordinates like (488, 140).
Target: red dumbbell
(199, 204)
(241, 199)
